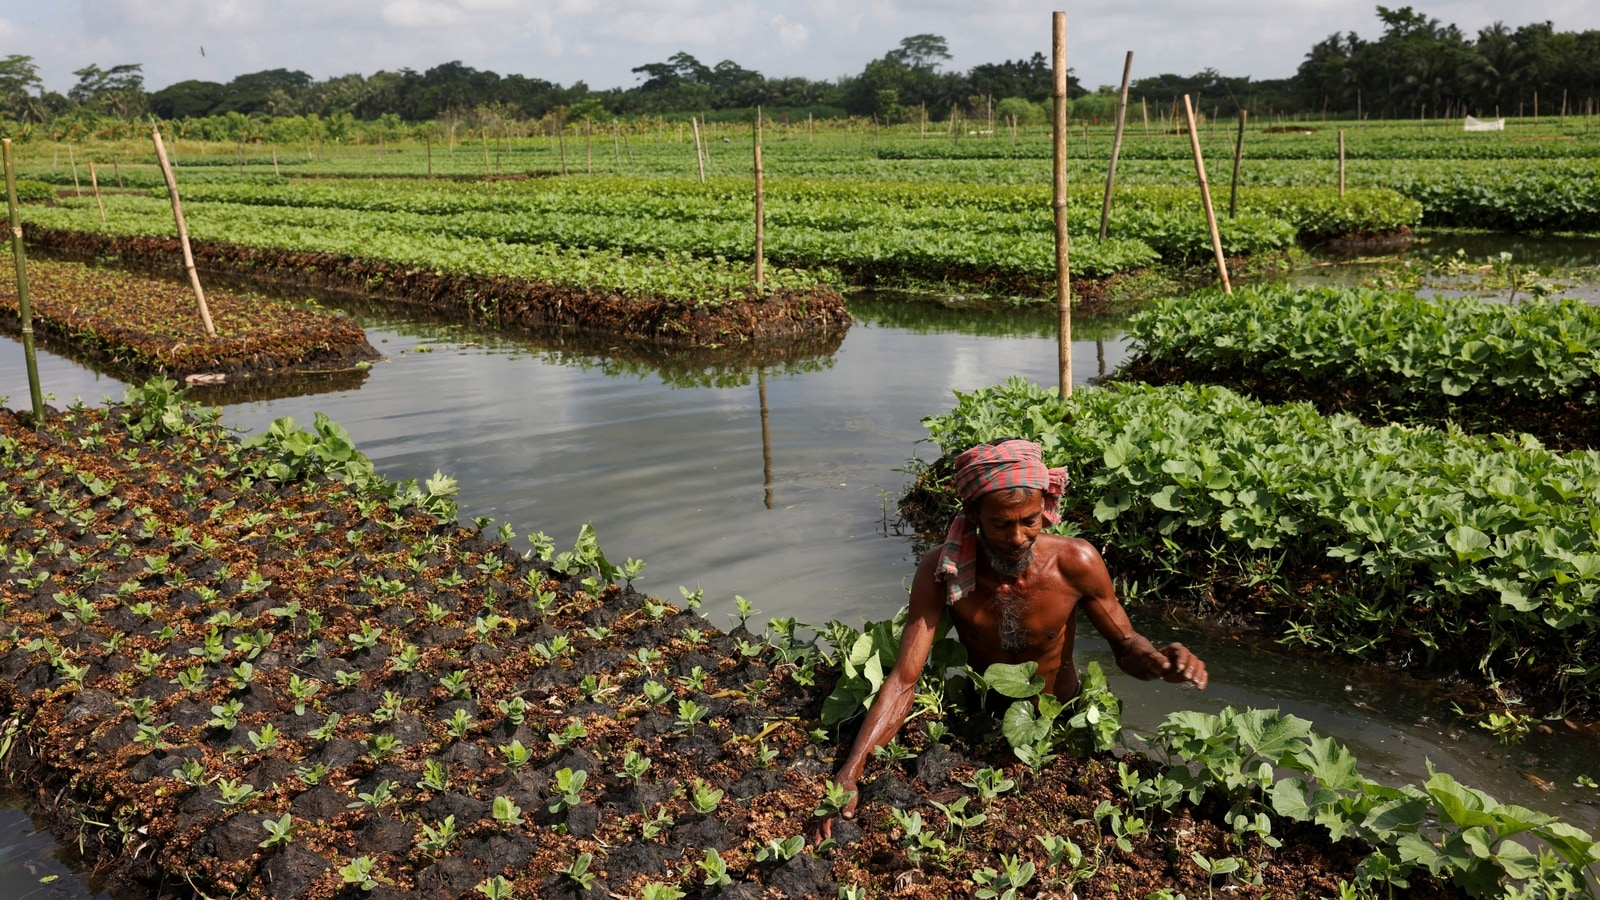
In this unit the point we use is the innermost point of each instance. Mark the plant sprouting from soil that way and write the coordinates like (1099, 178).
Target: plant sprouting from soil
(634, 765)
(704, 798)
(567, 789)
(496, 888)
(516, 755)
(716, 870)
(578, 870)
(506, 812)
(781, 849)
(361, 872)
(279, 831)
(437, 840)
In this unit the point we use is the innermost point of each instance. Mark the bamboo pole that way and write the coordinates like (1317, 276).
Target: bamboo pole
(761, 220)
(77, 189)
(1238, 154)
(275, 170)
(1116, 146)
(1341, 164)
(426, 139)
(1144, 110)
(1058, 203)
(561, 141)
(183, 229)
(588, 144)
(616, 145)
(1205, 194)
(24, 309)
(95, 184)
(115, 167)
(483, 138)
(699, 160)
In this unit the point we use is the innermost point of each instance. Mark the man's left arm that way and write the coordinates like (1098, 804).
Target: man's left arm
(1086, 571)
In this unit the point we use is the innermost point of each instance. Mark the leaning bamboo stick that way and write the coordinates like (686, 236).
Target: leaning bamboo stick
(95, 184)
(183, 229)
(1116, 147)
(77, 189)
(1205, 194)
(1341, 164)
(699, 160)
(24, 309)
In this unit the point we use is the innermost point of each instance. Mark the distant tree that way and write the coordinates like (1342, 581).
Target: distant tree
(920, 51)
(19, 79)
(187, 99)
(117, 91)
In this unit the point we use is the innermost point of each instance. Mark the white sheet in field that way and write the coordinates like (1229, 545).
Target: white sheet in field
(1485, 124)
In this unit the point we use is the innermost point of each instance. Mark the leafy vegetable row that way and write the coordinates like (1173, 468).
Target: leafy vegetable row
(413, 241)
(1361, 349)
(1410, 545)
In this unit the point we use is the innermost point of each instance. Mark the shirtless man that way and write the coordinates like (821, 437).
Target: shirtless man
(1013, 594)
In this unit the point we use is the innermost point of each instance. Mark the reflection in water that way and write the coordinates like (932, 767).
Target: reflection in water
(919, 315)
(766, 437)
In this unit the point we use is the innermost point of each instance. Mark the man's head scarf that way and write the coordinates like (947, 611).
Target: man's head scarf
(984, 469)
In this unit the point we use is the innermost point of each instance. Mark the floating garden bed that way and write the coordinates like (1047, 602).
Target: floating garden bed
(1532, 367)
(1409, 546)
(543, 288)
(258, 669)
(139, 327)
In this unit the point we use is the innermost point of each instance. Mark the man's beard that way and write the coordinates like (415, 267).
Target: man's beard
(1007, 568)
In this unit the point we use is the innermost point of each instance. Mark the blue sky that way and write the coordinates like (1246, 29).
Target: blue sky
(600, 41)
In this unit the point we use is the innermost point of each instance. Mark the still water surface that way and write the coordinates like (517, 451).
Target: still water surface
(776, 482)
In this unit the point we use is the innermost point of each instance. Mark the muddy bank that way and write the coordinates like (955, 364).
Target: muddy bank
(265, 672)
(502, 301)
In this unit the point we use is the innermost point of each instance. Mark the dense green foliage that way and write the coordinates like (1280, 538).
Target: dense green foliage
(1414, 350)
(409, 240)
(1410, 544)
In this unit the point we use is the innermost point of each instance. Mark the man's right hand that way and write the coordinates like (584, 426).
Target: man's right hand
(824, 829)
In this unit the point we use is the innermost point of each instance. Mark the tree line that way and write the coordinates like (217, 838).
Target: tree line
(1416, 66)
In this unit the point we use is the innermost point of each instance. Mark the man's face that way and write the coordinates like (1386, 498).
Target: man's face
(1009, 522)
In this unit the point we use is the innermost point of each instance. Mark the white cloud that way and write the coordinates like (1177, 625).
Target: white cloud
(682, 23)
(791, 35)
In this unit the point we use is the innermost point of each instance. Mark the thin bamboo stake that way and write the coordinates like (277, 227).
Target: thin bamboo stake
(1116, 146)
(183, 229)
(1058, 48)
(588, 143)
(616, 145)
(483, 137)
(426, 139)
(115, 167)
(561, 140)
(1205, 194)
(77, 189)
(761, 220)
(24, 309)
(275, 163)
(95, 183)
(1145, 111)
(699, 160)
(1238, 154)
(1341, 164)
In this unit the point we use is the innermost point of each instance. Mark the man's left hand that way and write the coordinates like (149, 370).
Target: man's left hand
(1175, 664)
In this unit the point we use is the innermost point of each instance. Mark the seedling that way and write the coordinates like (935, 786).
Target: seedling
(704, 798)
(567, 789)
(301, 690)
(265, 739)
(313, 774)
(497, 888)
(225, 715)
(459, 724)
(834, 800)
(382, 746)
(361, 872)
(1003, 885)
(507, 813)
(235, 794)
(989, 783)
(656, 693)
(516, 755)
(457, 684)
(578, 871)
(655, 890)
(716, 870)
(279, 831)
(437, 840)
(327, 729)
(435, 777)
(634, 765)
(781, 850)
(689, 715)
(1214, 867)
(515, 710)
(378, 797)
(569, 733)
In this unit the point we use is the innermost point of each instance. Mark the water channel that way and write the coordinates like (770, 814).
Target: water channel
(774, 479)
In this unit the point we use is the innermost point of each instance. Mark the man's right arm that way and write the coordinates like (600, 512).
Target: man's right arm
(894, 698)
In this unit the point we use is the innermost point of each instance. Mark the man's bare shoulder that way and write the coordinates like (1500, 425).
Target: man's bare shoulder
(1071, 555)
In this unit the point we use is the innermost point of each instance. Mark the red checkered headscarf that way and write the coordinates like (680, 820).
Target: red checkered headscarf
(985, 469)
